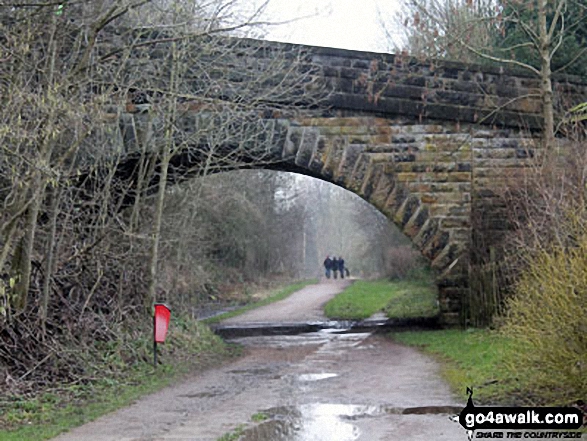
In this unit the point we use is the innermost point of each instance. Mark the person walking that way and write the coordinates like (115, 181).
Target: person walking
(334, 266)
(327, 266)
(341, 266)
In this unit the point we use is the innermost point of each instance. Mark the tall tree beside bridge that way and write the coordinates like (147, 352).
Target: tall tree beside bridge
(539, 36)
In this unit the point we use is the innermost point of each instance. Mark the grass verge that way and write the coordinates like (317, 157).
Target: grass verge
(398, 299)
(473, 358)
(112, 383)
(279, 295)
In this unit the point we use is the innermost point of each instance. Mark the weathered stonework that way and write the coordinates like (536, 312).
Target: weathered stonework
(421, 141)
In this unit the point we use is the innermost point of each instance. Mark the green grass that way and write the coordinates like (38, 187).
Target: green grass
(259, 416)
(473, 358)
(238, 431)
(66, 406)
(233, 435)
(279, 295)
(398, 299)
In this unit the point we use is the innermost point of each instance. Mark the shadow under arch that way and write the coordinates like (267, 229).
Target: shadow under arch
(402, 170)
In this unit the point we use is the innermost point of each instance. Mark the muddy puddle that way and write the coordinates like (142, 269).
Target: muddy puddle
(320, 386)
(331, 385)
(311, 422)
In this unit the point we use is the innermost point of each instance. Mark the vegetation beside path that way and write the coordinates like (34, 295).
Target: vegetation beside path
(482, 359)
(472, 358)
(408, 298)
(114, 381)
(124, 374)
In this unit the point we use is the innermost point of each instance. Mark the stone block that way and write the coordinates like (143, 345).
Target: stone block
(292, 142)
(395, 199)
(349, 159)
(426, 233)
(371, 179)
(308, 144)
(431, 155)
(407, 210)
(358, 174)
(451, 222)
(436, 245)
(334, 157)
(319, 156)
(409, 167)
(501, 163)
(447, 257)
(383, 188)
(493, 153)
(412, 228)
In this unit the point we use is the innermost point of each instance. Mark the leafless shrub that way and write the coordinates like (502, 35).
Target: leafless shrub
(401, 261)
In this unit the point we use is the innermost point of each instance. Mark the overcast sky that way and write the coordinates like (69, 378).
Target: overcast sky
(347, 24)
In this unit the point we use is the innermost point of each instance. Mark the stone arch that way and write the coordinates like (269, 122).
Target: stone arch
(429, 178)
(390, 165)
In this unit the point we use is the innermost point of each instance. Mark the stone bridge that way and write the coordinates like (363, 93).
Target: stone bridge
(427, 143)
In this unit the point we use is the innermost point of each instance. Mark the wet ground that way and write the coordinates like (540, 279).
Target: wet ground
(325, 385)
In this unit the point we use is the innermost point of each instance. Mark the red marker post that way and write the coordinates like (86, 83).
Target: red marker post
(160, 326)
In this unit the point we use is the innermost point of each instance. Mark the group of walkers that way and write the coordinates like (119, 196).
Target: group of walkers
(335, 266)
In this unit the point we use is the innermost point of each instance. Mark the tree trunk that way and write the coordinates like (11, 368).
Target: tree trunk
(160, 203)
(21, 289)
(49, 258)
(546, 76)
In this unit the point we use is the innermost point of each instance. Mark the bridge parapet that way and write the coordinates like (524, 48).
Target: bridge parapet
(246, 71)
(428, 144)
(399, 86)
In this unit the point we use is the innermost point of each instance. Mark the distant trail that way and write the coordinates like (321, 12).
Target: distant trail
(303, 305)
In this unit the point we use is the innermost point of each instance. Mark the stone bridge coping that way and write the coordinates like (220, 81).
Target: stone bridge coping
(507, 70)
(389, 85)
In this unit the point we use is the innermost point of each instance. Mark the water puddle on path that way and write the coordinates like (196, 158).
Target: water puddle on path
(316, 377)
(334, 367)
(311, 422)
(314, 421)
(323, 421)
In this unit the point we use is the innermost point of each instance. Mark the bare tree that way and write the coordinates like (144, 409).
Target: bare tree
(473, 31)
(103, 105)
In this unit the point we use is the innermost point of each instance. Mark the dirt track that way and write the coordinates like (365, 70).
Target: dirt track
(319, 386)
(303, 305)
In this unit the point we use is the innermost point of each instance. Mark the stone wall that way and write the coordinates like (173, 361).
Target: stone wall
(401, 86)
(359, 83)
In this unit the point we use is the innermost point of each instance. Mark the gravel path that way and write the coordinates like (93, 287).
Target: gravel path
(320, 386)
(303, 305)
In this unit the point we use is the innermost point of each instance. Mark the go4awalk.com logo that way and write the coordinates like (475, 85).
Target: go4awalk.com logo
(520, 422)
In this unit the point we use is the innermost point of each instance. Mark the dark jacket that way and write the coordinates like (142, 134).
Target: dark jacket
(328, 263)
(334, 264)
(341, 264)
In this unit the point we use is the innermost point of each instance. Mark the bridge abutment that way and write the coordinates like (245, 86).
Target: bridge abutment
(428, 179)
